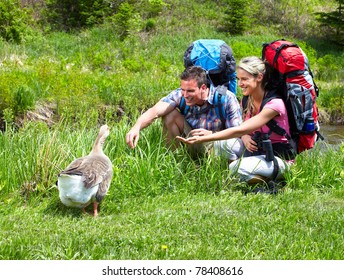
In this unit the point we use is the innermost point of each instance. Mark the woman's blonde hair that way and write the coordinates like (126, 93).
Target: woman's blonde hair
(255, 66)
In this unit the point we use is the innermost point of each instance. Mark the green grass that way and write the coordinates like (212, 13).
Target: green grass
(295, 225)
(163, 205)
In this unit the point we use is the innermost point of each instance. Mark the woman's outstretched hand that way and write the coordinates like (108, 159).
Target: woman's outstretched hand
(197, 136)
(190, 140)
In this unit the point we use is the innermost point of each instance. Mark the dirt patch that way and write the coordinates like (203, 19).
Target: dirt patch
(44, 112)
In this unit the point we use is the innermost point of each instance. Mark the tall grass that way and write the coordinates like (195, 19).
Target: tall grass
(37, 153)
(163, 204)
(320, 168)
(35, 161)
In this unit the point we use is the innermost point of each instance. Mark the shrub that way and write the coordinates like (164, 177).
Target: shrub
(126, 20)
(14, 21)
(332, 100)
(237, 19)
(24, 98)
(152, 8)
(328, 69)
(70, 14)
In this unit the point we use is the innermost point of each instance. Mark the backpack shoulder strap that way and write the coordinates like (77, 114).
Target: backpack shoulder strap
(218, 101)
(183, 107)
(272, 124)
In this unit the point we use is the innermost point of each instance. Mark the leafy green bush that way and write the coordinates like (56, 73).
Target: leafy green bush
(333, 100)
(237, 20)
(126, 20)
(328, 68)
(152, 8)
(14, 21)
(70, 14)
(24, 98)
(333, 23)
(150, 24)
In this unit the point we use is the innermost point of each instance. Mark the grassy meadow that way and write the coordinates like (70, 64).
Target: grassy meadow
(163, 205)
(55, 92)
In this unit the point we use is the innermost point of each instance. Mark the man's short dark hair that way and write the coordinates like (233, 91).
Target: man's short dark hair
(196, 73)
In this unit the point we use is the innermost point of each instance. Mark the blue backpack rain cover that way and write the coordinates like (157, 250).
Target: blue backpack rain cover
(216, 57)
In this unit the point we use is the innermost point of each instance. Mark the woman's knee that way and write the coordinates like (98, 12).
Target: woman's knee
(232, 149)
(255, 169)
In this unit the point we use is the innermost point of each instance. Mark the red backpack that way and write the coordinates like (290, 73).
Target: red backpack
(294, 81)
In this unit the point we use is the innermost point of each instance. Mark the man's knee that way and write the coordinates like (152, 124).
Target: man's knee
(172, 119)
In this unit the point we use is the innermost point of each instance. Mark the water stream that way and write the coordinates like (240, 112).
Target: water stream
(333, 134)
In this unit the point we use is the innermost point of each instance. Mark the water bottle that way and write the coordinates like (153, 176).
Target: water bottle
(309, 125)
(267, 147)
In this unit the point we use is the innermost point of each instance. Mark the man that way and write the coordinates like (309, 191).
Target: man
(200, 119)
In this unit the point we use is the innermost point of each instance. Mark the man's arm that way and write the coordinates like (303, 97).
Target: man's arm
(160, 109)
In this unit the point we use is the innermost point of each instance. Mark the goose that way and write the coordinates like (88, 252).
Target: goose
(87, 179)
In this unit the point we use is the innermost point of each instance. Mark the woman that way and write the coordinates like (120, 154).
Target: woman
(254, 167)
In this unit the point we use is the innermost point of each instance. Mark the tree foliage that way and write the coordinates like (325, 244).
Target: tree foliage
(14, 21)
(73, 14)
(287, 17)
(334, 21)
(69, 14)
(237, 19)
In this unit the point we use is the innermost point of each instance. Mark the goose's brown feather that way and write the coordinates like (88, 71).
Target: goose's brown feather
(94, 169)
